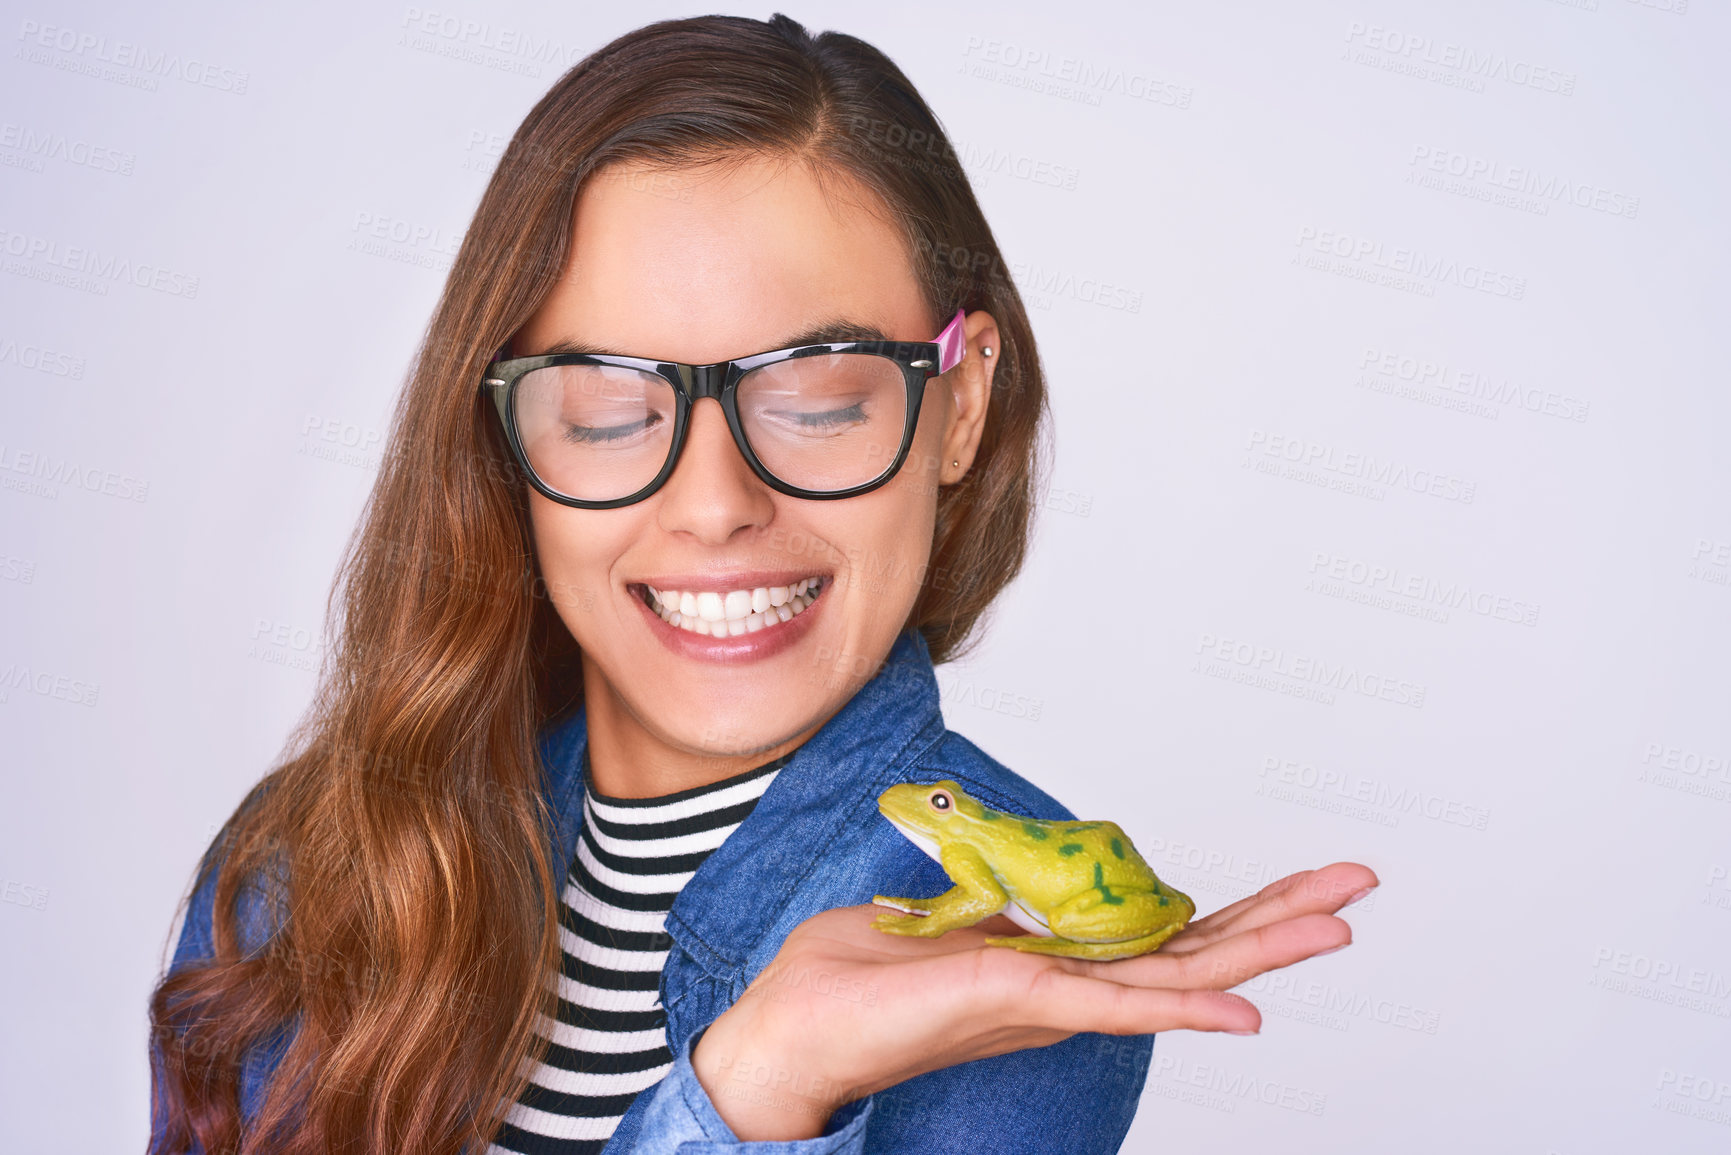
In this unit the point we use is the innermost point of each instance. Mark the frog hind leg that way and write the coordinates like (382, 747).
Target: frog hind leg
(1083, 926)
(976, 895)
(1100, 951)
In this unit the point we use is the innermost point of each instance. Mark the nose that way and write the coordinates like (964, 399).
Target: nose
(712, 492)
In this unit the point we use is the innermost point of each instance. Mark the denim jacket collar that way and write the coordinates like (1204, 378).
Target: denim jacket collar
(829, 786)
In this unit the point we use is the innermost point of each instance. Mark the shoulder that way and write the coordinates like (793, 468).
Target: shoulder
(987, 779)
(560, 743)
(259, 899)
(872, 857)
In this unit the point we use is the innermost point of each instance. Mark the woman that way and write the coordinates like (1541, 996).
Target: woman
(578, 844)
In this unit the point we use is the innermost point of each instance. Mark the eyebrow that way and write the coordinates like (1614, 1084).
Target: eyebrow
(824, 333)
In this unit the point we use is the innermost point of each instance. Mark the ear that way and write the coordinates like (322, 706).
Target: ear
(970, 384)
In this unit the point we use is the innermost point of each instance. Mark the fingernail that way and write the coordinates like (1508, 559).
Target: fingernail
(1359, 895)
(1331, 950)
(1244, 1032)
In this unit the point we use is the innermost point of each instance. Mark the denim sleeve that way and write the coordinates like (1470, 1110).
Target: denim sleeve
(197, 944)
(1078, 1096)
(681, 1118)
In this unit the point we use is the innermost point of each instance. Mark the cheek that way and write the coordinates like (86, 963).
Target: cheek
(574, 550)
(891, 548)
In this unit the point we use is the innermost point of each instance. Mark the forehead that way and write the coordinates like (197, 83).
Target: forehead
(702, 264)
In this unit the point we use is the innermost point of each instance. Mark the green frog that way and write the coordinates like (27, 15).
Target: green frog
(1080, 888)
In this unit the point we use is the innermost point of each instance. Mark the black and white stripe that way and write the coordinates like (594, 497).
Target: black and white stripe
(609, 1041)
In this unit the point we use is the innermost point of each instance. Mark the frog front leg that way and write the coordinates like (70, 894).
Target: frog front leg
(977, 894)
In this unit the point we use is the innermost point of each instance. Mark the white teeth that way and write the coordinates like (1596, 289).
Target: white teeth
(730, 613)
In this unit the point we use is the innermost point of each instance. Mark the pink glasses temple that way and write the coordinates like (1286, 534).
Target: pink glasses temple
(952, 343)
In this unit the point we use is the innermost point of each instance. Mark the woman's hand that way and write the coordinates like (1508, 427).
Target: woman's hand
(845, 1010)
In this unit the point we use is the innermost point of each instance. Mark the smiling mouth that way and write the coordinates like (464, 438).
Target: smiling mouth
(730, 613)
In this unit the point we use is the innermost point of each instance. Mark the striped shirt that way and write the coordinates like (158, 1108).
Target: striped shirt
(609, 1041)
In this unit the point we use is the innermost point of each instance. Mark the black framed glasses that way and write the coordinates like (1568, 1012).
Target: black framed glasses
(599, 431)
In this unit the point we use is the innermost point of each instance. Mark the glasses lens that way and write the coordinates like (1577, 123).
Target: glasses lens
(595, 432)
(827, 422)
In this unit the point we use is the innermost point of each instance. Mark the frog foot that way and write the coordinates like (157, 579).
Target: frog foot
(914, 917)
(1099, 951)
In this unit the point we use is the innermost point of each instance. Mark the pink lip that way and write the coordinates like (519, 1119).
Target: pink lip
(748, 647)
(722, 581)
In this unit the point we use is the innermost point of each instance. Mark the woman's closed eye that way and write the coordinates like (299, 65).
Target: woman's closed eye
(581, 434)
(820, 420)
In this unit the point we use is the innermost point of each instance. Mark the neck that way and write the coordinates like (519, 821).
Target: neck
(629, 758)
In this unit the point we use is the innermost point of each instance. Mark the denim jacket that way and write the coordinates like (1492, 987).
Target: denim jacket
(815, 841)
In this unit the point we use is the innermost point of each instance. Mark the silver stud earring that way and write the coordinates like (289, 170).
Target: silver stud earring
(985, 350)
(957, 463)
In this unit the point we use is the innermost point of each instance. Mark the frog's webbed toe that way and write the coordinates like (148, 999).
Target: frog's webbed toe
(922, 927)
(1099, 951)
(905, 905)
(905, 916)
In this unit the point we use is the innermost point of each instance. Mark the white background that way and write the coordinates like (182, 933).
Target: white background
(1547, 966)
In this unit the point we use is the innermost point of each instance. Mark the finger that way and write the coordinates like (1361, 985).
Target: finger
(1309, 891)
(1240, 956)
(1338, 880)
(1068, 1001)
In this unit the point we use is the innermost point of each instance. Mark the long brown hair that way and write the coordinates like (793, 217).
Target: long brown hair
(384, 895)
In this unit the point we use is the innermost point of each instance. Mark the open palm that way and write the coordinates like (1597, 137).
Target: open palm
(856, 1010)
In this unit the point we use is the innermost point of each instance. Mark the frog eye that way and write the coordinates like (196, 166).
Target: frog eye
(941, 801)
